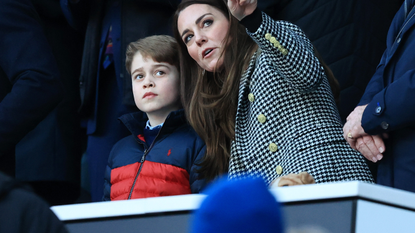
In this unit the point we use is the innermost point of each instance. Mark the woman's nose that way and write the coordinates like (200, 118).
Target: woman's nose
(201, 39)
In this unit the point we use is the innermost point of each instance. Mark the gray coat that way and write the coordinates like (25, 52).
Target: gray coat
(287, 120)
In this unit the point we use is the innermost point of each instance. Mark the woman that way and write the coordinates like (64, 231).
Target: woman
(258, 96)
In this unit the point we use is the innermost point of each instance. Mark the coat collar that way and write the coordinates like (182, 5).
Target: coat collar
(136, 121)
(403, 21)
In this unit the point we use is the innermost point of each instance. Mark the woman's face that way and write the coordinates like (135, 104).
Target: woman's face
(203, 29)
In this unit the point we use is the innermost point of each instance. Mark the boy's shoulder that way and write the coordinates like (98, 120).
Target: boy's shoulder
(185, 135)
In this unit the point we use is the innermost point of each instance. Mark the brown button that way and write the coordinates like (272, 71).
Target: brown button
(251, 97)
(273, 147)
(278, 169)
(262, 118)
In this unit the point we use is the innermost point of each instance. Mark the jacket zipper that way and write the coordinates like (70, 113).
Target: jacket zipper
(403, 27)
(143, 158)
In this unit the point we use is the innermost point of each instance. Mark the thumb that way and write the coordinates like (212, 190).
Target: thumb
(306, 178)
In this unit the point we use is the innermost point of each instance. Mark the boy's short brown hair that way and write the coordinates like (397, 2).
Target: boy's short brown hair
(161, 48)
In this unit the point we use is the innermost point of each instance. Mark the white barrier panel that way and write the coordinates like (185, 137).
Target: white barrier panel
(332, 207)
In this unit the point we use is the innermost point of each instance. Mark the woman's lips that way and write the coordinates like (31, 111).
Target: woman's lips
(207, 52)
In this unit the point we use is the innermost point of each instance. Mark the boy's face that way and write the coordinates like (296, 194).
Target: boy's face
(155, 86)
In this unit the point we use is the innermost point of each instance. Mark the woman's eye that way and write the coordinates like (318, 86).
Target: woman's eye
(187, 38)
(207, 22)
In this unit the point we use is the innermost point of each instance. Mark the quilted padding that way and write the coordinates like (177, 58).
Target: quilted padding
(155, 179)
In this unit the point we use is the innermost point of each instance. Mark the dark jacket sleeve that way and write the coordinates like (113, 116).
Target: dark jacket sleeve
(107, 178)
(393, 106)
(27, 63)
(196, 184)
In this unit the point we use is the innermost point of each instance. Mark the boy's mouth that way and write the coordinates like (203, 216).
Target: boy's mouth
(149, 94)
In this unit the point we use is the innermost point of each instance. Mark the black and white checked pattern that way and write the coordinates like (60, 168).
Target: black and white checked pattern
(293, 93)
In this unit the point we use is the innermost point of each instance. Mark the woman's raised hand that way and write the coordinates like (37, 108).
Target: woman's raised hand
(241, 8)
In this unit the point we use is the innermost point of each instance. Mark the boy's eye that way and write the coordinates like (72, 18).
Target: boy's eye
(160, 73)
(138, 76)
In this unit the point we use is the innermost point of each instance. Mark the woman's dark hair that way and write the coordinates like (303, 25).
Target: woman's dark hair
(334, 83)
(210, 99)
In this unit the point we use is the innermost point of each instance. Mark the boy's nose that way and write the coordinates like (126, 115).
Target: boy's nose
(148, 83)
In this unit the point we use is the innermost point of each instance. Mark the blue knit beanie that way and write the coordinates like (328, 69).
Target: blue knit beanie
(238, 206)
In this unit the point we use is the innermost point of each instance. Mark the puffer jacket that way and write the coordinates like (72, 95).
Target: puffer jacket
(166, 167)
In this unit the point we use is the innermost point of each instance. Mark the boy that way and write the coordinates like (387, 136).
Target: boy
(160, 157)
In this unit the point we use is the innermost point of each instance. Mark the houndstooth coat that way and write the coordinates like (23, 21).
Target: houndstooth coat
(287, 120)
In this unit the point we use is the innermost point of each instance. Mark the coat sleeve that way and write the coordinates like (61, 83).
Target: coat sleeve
(107, 176)
(27, 63)
(196, 184)
(107, 184)
(288, 50)
(393, 107)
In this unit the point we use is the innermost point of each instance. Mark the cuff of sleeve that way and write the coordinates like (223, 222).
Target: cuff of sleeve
(372, 121)
(252, 21)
